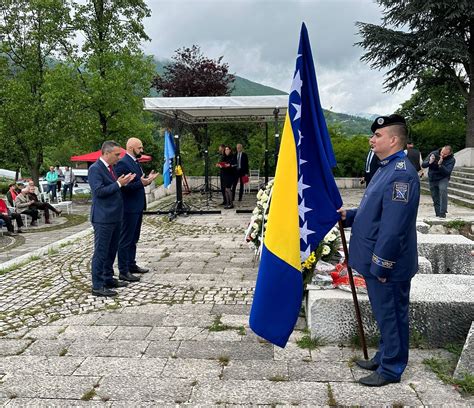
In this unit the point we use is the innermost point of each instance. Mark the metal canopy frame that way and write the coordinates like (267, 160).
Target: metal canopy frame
(216, 109)
(219, 109)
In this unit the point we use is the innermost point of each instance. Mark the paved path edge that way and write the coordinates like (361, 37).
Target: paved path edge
(44, 250)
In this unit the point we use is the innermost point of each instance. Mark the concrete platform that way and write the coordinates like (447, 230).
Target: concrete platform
(447, 253)
(435, 301)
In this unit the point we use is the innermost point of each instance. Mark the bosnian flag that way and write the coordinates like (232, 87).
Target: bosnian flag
(304, 205)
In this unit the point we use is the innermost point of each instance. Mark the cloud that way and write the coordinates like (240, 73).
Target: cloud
(259, 40)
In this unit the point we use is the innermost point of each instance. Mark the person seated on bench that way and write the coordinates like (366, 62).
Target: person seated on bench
(7, 216)
(13, 191)
(23, 206)
(39, 205)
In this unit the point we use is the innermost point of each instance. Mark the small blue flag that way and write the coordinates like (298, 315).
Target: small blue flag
(169, 156)
(304, 205)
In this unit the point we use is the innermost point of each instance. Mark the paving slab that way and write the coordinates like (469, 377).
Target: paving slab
(250, 392)
(173, 390)
(154, 345)
(44, 386)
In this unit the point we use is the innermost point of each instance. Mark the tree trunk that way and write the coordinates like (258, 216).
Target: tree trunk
(470, 118)
(35, 172)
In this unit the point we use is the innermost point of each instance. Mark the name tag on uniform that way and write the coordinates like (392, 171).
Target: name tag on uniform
(400, 191)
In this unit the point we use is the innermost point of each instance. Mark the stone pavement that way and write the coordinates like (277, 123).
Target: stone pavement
(180, 336)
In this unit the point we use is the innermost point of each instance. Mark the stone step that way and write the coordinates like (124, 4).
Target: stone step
(462, 180)
(465, 169)
(465, 202)
(460, 192)
(441, 311)
(463, 174)
(461, 201)
(462, 186)
(448, 253)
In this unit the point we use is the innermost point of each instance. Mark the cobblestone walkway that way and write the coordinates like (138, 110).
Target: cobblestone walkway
(180, 336)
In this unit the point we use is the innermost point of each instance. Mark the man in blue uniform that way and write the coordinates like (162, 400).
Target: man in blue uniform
(383, 247)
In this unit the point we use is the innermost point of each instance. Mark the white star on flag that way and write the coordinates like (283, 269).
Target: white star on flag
(296, 84)
(306, 253)
(300, 137)
(301, 186)
(302, 161)
(298, 111)
(304, 232)
(302, 209)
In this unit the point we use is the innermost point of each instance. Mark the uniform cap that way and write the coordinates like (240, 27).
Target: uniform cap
(384, 121)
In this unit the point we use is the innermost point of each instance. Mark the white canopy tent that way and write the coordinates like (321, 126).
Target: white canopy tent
(218, 109)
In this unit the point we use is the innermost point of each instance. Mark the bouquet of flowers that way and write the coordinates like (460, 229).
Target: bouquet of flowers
(256, 229)
(327, 251)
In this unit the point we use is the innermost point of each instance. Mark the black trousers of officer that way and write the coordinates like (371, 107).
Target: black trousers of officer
(390, 306)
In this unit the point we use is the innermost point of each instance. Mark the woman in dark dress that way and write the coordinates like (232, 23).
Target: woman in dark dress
(229, 173)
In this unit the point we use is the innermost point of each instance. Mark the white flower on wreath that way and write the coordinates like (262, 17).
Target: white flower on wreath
(264, 198)
(265, 206)
(326, 250)
(255, 211)
(255, 226)
(259, 194)
(253, 235)
(330, 237)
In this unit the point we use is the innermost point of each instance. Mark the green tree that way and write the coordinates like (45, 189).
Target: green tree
(436, 113)
(114, 73)
(192, 74)
(417, 35)
(31, 32)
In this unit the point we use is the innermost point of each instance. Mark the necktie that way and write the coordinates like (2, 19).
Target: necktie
(238, 159)
(111, 171)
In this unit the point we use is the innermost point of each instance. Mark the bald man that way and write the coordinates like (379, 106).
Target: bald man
(133, 205)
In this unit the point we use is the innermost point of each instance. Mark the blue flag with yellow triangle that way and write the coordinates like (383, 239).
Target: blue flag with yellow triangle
(304, 205)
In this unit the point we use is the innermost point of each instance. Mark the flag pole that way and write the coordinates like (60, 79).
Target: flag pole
(354, 294)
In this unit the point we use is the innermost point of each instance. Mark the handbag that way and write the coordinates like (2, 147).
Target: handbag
(245, 179)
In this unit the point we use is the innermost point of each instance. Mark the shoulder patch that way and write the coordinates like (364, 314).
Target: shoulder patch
(400, 166)
(400, 191)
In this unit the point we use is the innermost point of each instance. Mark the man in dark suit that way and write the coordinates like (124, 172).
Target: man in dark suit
(242, 170)
(106, 218)
(133, 205)
(372, 163)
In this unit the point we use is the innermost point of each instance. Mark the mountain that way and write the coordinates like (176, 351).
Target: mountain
(349, 124)
(242, 86)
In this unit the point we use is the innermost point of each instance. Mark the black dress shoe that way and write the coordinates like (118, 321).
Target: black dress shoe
(137, 269)
(128, 277)
(368, 364)
(228, 207)
(104, 292)
(116, 284)
(376, 380)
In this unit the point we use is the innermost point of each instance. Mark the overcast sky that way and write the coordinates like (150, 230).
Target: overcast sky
(259, 41)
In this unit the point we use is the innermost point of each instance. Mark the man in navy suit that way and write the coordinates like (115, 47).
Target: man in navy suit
(242, 170)
(133, 203)
(106, 218)
(383, 247)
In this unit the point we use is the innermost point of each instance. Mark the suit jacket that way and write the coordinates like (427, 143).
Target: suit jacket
(244, 164)
(133, 193)
(22, 203)
(370, 168)
(107, 203)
